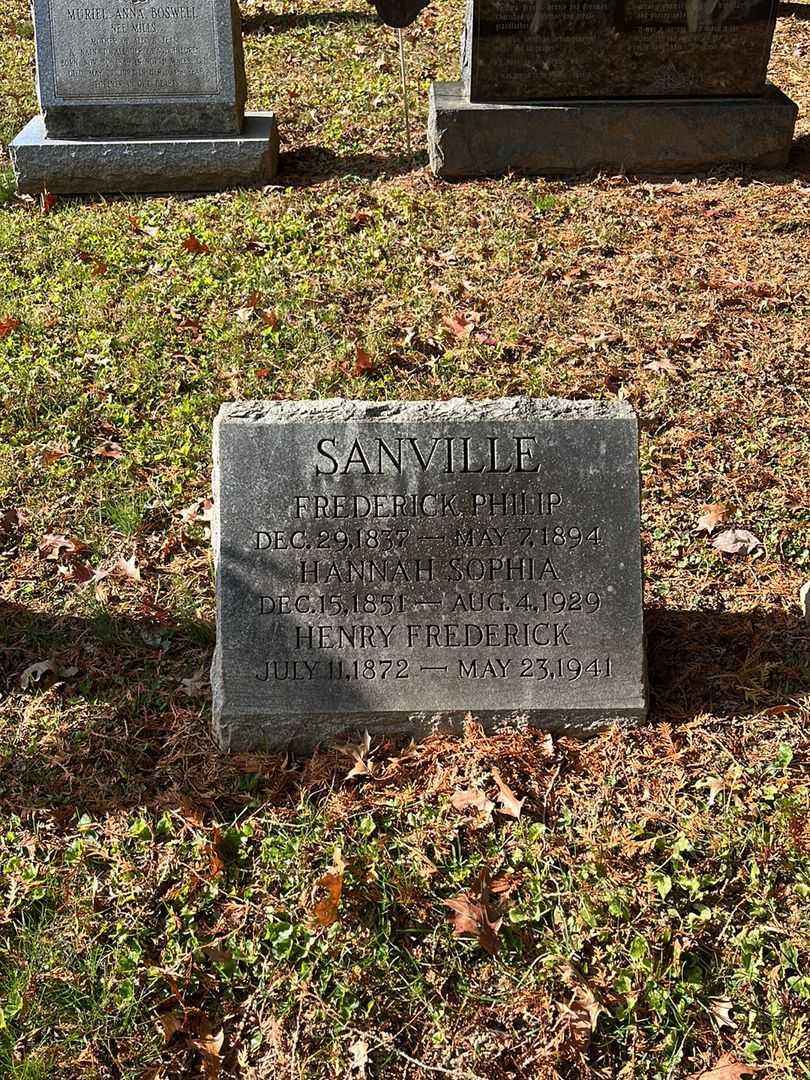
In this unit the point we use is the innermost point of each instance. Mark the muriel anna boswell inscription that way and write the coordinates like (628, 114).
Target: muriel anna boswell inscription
(395, 565)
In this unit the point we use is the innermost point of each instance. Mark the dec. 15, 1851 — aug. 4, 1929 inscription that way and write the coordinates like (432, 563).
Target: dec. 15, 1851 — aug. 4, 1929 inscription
(395, 565)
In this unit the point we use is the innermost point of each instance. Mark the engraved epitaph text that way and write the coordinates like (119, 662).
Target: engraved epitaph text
(117, 49)
(402, 566)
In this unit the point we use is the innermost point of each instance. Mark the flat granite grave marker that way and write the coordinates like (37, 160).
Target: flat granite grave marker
(144, 95)
(394, 565)
(571, 86)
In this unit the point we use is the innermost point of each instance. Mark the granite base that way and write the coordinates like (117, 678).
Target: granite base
(184, 163)
(648, 136)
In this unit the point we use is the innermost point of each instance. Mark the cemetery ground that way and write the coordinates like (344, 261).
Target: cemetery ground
(506, 906)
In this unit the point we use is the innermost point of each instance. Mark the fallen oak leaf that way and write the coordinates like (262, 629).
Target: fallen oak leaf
(472, 799)
(9, 324)
(726, 1068)
(363, 362)
(194, 246)
(714, 514)
(509, 803)
(736, 542)
(475, 915)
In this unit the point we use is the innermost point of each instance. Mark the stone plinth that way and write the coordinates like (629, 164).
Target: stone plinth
(643, 137)
(182, 163)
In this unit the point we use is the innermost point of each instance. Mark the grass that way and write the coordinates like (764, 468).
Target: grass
(159, 902)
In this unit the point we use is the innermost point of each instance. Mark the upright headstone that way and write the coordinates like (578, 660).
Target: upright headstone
(568, 86)
(393, 566)
(141, 95)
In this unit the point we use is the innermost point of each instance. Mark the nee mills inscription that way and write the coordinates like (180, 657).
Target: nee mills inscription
(134, 50)
(396, 565)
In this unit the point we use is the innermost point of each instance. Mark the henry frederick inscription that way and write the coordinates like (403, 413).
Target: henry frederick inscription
(396, 565)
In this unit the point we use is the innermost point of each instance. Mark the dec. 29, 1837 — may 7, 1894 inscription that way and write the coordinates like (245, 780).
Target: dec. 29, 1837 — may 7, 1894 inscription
(395, 565)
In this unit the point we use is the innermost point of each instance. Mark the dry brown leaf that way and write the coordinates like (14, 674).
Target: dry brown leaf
(509, 803)
(326, 907)
(475, 915)
(472, 799)
(726, 1068)
(359, 1058)
(7, 325)
(363, 362)
(736, 542)
(714, 514)
(194, 246)
(55, 546)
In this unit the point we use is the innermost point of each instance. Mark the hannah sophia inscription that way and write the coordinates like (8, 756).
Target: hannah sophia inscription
(396, 565)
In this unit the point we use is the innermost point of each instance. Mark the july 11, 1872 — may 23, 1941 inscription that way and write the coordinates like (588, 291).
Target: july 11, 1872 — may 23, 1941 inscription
(396, 565)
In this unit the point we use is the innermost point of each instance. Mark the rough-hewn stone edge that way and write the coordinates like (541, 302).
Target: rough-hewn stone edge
(335, 410)
(301, 732)
(185, 163)
(640, 136)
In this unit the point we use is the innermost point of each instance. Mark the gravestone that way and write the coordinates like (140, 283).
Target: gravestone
(571, 86)
(141, 95)
(393, 566)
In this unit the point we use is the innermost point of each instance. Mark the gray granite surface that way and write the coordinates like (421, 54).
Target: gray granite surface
(186, 163)
(643, 137)
(394, 565)
(108, 68)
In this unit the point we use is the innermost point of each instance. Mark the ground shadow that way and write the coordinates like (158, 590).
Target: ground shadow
(124, 731)
(265, 21)
(801, 11)
(309, 166)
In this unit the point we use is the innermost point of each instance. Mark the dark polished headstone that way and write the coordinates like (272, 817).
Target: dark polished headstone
(535, 50)
(395, 565)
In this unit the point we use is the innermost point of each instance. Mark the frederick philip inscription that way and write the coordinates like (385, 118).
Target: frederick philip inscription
(397, 565)
(530, 50)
